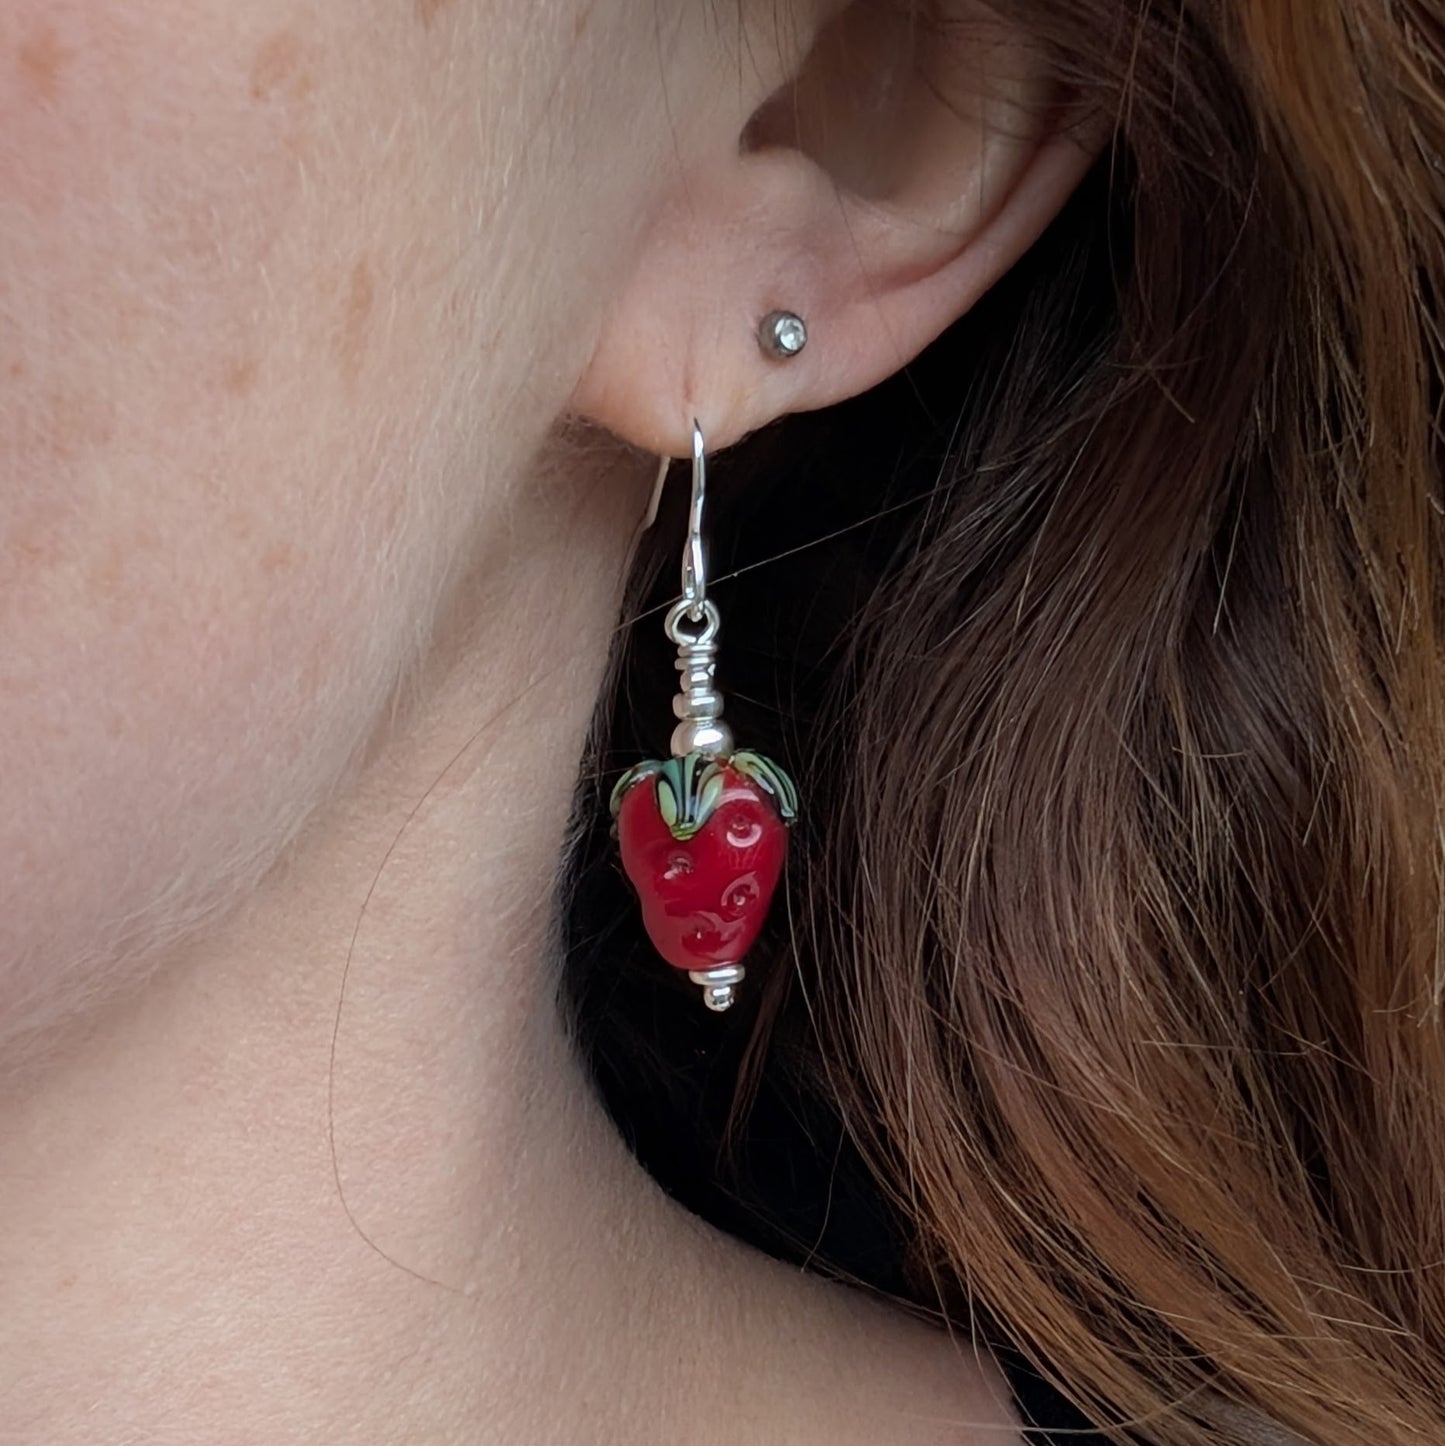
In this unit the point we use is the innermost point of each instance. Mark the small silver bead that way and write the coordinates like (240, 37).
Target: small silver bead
(718, 984)
(709, 736)
(701, 706)
(782, 334)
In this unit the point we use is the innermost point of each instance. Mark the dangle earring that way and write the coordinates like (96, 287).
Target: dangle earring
(704, 835)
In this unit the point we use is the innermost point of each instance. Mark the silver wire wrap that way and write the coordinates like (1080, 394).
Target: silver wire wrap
(699, 704)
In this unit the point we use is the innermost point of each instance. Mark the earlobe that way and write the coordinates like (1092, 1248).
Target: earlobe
(681, 339)
(879, 240)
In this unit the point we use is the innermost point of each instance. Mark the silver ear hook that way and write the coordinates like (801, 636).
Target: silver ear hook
(664, 465)
(693, 623)
(699, 469)
(694, 567)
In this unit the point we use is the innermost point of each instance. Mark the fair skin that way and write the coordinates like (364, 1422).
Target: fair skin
(322, 333)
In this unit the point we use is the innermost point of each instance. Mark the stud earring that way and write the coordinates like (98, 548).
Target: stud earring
(782, 334)
(703, 835)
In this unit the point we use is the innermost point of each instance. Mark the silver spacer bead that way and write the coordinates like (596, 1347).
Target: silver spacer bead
(698, 705)
(718, 984)
(782, 334)
(710, 737)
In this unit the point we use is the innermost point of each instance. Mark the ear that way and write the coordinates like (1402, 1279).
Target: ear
(891, 181)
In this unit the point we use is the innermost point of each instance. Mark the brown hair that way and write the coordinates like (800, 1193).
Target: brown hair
(1105, 648)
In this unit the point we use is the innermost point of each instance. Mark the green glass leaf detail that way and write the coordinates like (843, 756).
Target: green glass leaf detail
(708, 794)
(764, 772)
(689, 788)
(667, 800)
(635, 774)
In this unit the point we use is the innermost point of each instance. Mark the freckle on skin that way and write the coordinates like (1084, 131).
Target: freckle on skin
(104, 577)
(277, 68)
(76, 423)
(240, 375)
(241, 525)
(277, 559)
(428, 10)
(29, 545)
(42, 58)
(355, 317)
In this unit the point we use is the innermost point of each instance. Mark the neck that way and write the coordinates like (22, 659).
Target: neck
(335, 1173)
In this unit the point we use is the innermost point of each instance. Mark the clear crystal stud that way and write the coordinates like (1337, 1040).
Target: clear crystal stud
(782, 334)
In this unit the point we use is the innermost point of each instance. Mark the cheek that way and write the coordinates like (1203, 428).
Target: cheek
(254, 356)
(193, 314)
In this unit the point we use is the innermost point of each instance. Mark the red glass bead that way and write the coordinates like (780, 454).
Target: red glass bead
(703, 842)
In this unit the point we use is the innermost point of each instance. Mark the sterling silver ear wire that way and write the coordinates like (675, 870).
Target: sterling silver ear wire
(782, 334)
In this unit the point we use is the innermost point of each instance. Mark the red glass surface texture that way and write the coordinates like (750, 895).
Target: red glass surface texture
(704, 898)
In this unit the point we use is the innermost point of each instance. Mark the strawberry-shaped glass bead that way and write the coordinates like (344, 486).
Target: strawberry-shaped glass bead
(703, 840)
